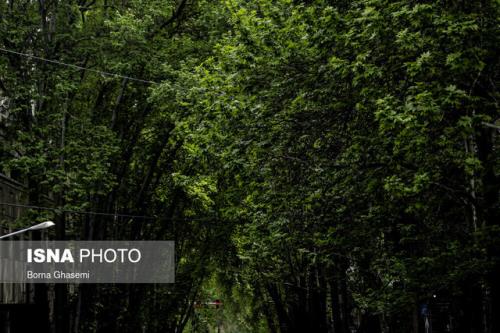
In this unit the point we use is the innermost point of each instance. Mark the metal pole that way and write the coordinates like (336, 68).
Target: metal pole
(14, 233)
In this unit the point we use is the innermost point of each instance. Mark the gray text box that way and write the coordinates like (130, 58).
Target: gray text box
(87, 262)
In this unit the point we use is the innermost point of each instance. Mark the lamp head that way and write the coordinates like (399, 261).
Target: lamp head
(43, 225)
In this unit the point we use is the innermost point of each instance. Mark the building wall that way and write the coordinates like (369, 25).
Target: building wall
(12, 192)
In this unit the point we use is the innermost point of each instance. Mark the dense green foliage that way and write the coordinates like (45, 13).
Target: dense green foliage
(322, 165)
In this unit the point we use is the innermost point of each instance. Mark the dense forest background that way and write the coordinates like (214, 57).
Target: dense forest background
(323, 166)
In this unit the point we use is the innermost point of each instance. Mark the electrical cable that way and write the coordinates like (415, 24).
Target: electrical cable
(100, 213)
(80, 68)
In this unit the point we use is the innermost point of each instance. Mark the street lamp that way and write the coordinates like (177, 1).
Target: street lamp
(40, 226)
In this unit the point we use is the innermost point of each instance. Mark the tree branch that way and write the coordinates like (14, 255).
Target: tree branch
(172, 18)
(491, 125)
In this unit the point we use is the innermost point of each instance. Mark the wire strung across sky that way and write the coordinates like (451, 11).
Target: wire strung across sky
(80, 68)
(101, 214)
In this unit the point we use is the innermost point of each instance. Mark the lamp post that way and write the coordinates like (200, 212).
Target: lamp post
(40, 226)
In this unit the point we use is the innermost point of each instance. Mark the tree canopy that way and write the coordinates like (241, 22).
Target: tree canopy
(323, 166)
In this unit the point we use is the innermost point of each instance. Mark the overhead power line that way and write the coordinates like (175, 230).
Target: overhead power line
(144, 217)
(76, 67)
